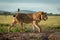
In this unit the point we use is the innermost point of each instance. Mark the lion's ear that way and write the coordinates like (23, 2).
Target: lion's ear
(42, 13)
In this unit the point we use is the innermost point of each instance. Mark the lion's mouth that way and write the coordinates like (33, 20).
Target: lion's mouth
(45, 19)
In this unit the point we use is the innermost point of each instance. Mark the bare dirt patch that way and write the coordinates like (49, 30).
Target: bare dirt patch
(29, 36)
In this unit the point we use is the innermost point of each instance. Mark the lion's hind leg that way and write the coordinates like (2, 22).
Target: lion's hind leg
(12, 24)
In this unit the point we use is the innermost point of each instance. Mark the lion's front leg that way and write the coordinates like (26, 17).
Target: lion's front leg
(35, 24)
(20, 26)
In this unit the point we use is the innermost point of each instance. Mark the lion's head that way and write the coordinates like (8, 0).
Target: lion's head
(42, 16)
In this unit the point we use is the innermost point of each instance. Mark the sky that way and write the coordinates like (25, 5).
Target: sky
(50, 6)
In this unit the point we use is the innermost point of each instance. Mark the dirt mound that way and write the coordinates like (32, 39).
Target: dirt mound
(29, 36)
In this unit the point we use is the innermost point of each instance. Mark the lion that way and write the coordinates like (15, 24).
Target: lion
(33, 18)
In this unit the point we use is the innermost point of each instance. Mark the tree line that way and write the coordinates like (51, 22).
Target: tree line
(9, 13)
(51, 14)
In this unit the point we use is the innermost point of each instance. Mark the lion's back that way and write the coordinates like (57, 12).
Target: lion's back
(26, 18)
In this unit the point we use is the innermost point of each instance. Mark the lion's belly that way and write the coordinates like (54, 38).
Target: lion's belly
(27, 21)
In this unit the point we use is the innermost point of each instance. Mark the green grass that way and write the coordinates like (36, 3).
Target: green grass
(53, 22)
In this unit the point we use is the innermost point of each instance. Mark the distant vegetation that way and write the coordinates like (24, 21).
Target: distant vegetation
(5, 13)
(51, 14)
(24, 11)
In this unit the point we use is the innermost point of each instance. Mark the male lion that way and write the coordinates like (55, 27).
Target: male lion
(33, 18)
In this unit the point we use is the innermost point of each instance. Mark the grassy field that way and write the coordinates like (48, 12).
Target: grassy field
(53, 22)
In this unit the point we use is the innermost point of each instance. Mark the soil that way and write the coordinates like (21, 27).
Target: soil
(29, 36)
